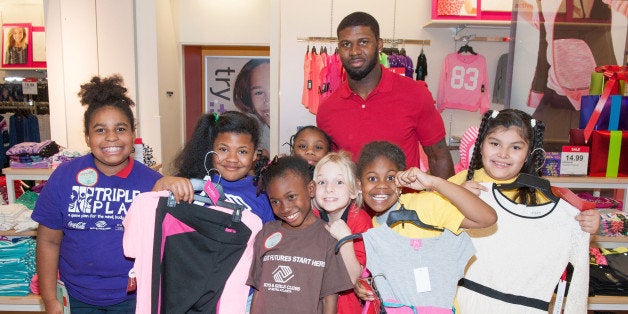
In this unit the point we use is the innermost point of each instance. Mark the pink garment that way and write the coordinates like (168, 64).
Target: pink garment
(139, 231)
(394, 307)
(307, 80)
(463, 83)
(317, 66)
(335, 73)
(467, 144)
(34, 285)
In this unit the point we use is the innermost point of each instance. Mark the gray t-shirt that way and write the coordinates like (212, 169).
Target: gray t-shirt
(419, 272)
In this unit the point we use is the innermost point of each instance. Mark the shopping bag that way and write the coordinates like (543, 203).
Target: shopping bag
(613, 73)
(612, 104)
(609, 154)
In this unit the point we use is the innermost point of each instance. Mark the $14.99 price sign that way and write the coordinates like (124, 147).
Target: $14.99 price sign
(574, 160)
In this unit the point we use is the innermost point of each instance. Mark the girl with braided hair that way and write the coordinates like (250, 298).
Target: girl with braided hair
(511, 256)
(510, 142)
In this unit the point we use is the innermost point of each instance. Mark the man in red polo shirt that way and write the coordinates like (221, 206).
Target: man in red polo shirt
(375, 104)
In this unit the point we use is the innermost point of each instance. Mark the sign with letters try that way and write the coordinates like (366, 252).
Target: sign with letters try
(574, 160)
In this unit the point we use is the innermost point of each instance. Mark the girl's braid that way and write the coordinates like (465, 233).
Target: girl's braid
(476, 158)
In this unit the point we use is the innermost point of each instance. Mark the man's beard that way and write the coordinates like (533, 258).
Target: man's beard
(357, 75)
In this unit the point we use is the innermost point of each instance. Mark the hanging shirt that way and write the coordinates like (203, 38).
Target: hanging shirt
(335, 73)
(499, 88)
(383, 59)
(409, 66)
(463, 83)
(317, 67)
(524, 254)
(307, 80)
(421, 67)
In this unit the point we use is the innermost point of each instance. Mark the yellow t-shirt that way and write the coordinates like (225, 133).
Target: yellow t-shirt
(481, 176)
(432, 208)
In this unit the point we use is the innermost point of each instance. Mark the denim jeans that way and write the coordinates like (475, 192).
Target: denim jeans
(78, 307)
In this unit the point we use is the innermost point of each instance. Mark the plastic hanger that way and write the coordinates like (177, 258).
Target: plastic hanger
(467, 48)
(403, 215)
(214, 194)
(394, 216)
(530, 181)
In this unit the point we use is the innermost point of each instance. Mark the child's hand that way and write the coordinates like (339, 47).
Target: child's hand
(589, 221)
(362, 293)
(338, 229)
(181, 188)
(415, 179)
(474, 187)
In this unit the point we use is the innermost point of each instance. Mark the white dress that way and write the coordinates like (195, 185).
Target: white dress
(524, 254)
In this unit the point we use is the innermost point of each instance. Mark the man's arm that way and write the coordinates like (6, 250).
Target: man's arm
(439, 159)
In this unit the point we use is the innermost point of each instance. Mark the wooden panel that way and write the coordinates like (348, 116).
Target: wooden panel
(193, 67)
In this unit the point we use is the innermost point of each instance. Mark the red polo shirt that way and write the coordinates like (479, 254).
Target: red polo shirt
(399, 110)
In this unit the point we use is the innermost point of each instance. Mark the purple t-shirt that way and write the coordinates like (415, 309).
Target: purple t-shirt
(244, 192)
(89, 207)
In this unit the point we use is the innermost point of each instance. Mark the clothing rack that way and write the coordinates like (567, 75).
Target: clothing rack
(35, 107)
(422, 42)
(468, 38)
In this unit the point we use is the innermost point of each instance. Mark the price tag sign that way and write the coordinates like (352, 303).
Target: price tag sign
(29, 86)
(574, 160)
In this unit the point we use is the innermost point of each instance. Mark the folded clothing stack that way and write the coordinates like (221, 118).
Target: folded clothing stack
(17, 265)
(32, 154)
(613, 223)
(16, 217)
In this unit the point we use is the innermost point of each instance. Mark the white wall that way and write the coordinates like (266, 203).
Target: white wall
(79, 46)
(224, 22)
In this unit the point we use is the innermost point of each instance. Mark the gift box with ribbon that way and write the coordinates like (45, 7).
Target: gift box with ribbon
(613, 74)
(616, 102)
(609, 154)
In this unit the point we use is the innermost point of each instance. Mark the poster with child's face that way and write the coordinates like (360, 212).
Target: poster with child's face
(242, 84)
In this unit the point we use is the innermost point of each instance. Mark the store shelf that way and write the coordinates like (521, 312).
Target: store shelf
(592, 183)
(466, 23)
(12, 233)
(608, 303)
(29, 303)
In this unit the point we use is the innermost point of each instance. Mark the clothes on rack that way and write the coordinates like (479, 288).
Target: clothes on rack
(463, 83)
(188, 257)
(421, 67)
(609, 271)
(523, 256)
(322, 74)
(499, 86)
(44, 126)
(4, 140)
(419, 272)
(23, 128)
(394, 58)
